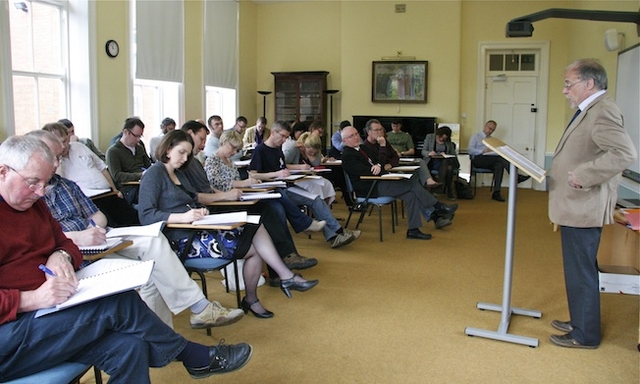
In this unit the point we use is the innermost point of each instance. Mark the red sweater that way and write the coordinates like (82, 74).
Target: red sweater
(27, 239)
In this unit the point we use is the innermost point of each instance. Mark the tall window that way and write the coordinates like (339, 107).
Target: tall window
(39, 63)
(221, 102)
(157, 63)
(152, 102)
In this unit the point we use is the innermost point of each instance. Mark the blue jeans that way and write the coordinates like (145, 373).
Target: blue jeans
(118, 334)
(286, 208)
(320, 210)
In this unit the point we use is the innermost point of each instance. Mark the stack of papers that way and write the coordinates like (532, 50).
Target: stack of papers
(290, 178)
(223, 218)
(151, 230)
(394, 175)
(266, 184)
(259, 196)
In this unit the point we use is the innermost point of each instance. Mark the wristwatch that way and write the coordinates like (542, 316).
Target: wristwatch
(66, 254)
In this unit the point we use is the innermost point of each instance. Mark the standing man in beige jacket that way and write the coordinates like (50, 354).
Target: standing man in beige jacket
(583, 184)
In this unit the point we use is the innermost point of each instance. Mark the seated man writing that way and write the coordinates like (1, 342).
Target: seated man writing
(358, 160)
(79, 164)
(170, 288)
(94, 333)
(268, 162)
(127, 158)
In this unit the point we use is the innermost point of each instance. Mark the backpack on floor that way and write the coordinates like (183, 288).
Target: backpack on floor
(464, 189)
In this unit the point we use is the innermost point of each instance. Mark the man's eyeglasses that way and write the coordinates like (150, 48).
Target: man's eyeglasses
(33, 187)
(134, 135)
(352, 135)
(281, 134)
(568, 86)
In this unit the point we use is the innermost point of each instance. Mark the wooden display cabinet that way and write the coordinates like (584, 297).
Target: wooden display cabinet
(300, 96)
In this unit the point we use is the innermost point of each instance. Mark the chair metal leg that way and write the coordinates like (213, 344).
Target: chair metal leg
(394, 213)
(235, 269)
(380, 221)
(97, 374)
(348, 218)
(203, 282)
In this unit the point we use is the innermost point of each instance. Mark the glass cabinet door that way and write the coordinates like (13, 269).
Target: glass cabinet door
(300, 96)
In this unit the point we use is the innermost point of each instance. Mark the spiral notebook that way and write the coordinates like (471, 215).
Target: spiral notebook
(95, 249)
(103, 278)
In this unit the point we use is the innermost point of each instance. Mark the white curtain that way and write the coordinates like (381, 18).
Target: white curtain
(221, 43)
(160, 40)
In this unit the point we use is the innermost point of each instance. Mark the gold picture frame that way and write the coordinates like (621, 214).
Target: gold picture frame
(399, 82)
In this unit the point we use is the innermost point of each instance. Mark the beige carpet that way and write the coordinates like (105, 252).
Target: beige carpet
(395, 312)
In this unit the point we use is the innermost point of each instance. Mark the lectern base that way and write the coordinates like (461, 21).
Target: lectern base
(501, 334)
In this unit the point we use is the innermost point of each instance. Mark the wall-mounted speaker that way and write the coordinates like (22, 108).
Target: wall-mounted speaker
(611, 39)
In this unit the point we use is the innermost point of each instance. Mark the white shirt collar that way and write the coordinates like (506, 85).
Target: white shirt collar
(585, 103)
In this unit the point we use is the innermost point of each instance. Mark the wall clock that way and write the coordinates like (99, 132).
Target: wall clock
(112, 48)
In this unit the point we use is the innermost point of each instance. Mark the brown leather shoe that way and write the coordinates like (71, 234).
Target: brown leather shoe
(296, 261)
(563, 326)
(569, 342)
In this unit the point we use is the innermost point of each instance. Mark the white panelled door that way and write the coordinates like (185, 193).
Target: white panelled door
(511, 102)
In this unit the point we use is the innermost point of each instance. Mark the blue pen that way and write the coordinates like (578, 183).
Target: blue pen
(46, 270)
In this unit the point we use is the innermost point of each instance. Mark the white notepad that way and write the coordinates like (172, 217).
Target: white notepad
(103, 278)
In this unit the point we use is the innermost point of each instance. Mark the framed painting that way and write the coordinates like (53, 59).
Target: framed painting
(399, 82)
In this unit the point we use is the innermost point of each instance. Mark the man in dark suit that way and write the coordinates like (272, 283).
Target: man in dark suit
(359, 160)
(583, 184)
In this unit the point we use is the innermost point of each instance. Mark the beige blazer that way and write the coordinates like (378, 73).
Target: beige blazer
(250, 135)
(596, 148)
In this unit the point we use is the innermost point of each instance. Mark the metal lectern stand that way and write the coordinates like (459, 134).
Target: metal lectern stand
(506, 309)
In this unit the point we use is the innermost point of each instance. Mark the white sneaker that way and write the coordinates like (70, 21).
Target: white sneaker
(343, 238)
(215, 315)
(356, 232)
(316, 226)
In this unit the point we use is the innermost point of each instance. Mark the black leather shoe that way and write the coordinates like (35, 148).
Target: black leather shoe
(291, 284)
(569, 342)
(445, 209)
(564, 326)
(523, 178)
(497, 197)
(442, 222)
(416, 234)
(223, 358)
(246, 307)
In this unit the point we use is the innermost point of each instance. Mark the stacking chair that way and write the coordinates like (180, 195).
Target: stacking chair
(69, 372)
(209, 264)
(362, 203)
(473, 171)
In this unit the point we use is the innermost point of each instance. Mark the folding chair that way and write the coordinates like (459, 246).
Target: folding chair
(474, 170)
(68, 372)
(363, 202)
(200, 266)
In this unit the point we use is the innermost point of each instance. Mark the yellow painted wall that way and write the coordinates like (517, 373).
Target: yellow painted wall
(248, 104)
(429, 30)
(295, 36)
(344, 37)
(113, 79)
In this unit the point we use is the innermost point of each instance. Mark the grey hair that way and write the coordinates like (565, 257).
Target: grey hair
(16, 151)
(590, 69)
